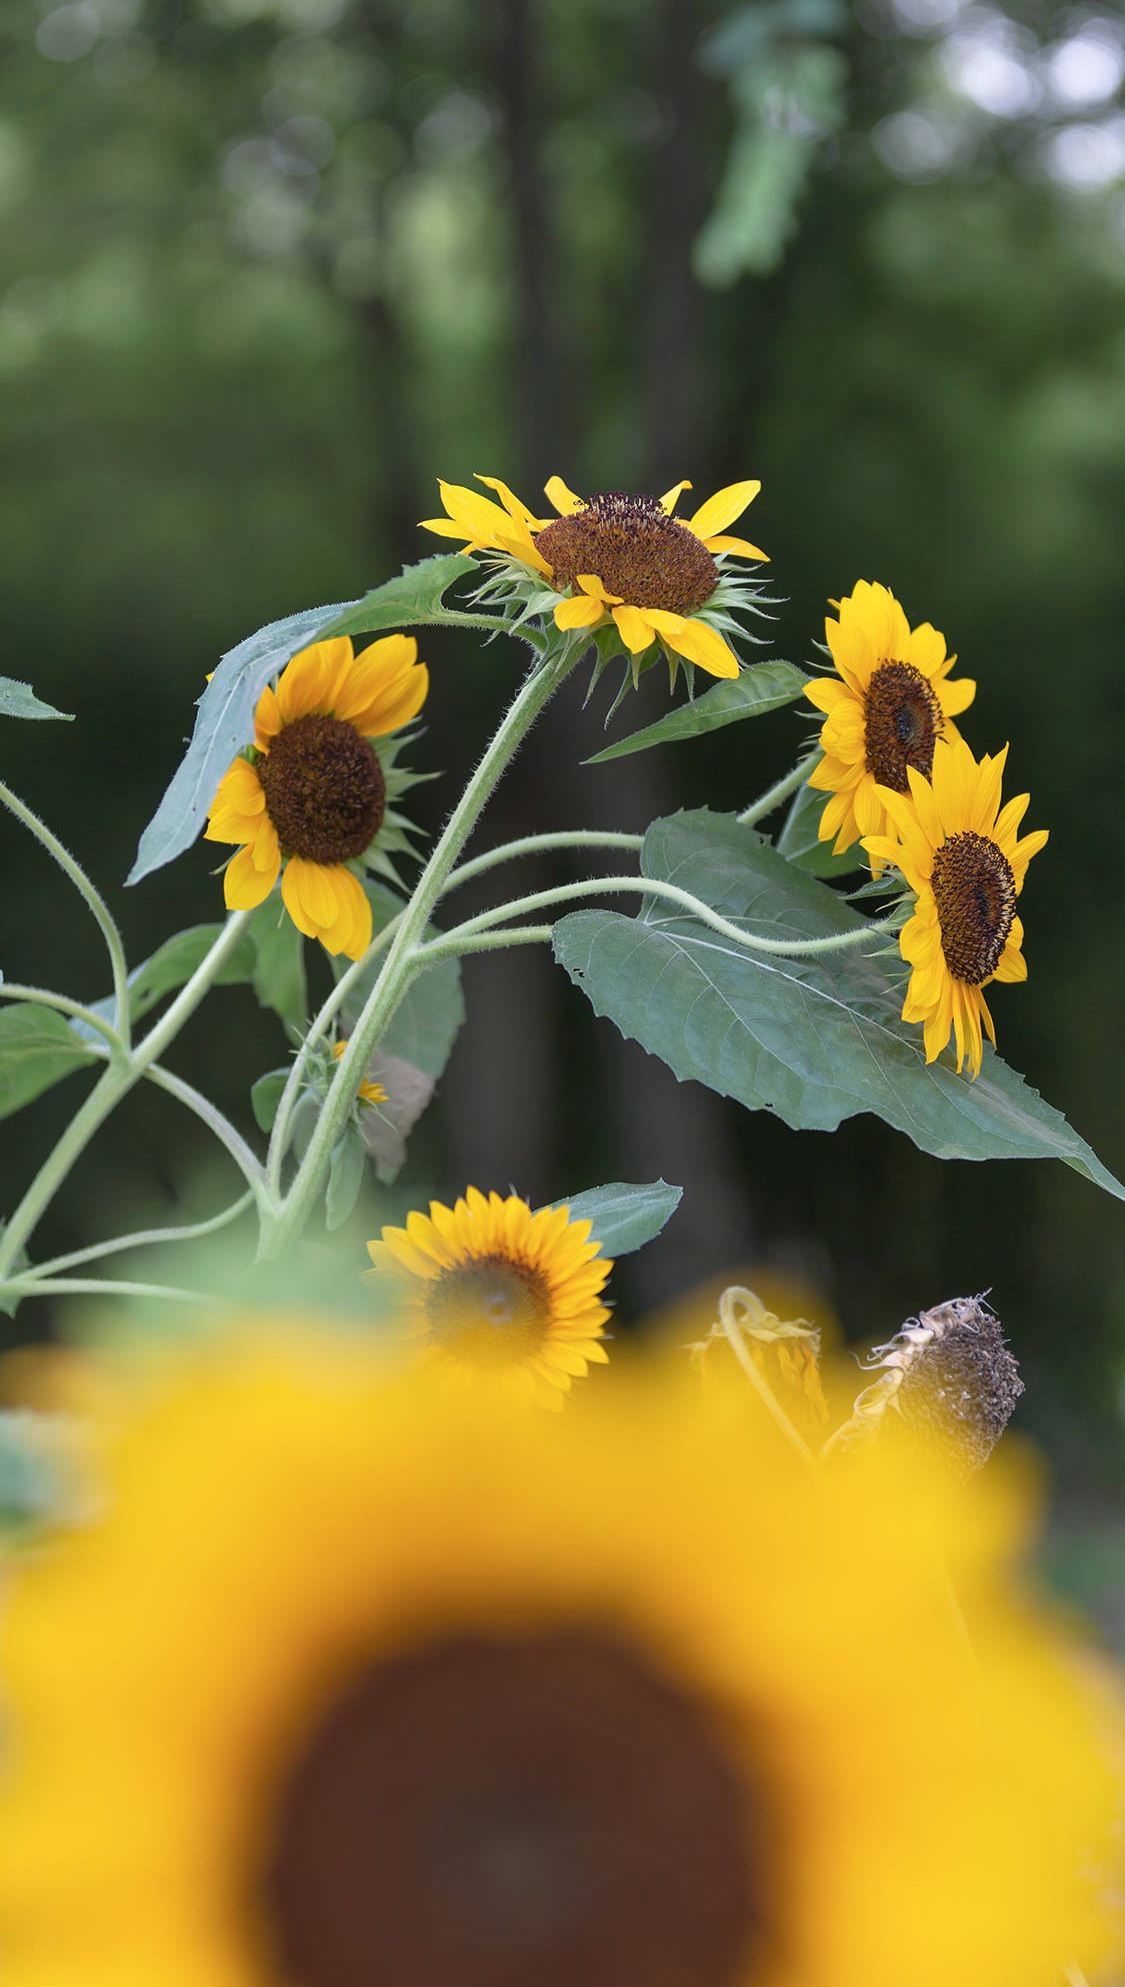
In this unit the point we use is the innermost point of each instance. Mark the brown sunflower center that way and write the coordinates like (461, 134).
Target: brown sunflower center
(975, 894)
(964, 1384)
(636, 550)
(491, 1311)
(324, 789)
(902, 719)
(531, 1813)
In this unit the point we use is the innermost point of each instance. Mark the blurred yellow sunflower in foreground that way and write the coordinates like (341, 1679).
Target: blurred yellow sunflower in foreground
(963, 857)
(623, 562)
(488, 1287)
(888, 706)
(353, 1686)
(313, 794)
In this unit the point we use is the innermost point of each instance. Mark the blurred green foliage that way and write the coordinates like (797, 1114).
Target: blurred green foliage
(268, 269)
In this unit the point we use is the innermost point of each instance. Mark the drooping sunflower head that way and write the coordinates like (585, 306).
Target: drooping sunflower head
(887, 706)
(962, 855)
(315, 792)
(489, 1288)
(950, 1380)
(348, 1684)
(630, 570)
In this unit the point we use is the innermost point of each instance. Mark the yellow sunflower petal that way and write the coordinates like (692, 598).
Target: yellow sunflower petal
(740, 547)
(244, 885)
(722, 509)
(564, 500)
(634, 628)
(672, 497)
(579, 611)
(696, 640)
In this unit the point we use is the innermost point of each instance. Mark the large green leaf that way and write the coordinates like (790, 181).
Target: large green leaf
(225, 720)
(622, 1217)
(18, 700)
(765, 686)
(815, 1039)
(37, 1049)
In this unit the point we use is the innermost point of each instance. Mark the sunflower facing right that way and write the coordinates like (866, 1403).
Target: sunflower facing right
(962, 855)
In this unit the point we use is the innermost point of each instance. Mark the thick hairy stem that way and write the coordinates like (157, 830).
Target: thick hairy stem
(781, 790)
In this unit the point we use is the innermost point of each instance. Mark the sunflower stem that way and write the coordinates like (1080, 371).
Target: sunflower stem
(142, 1238)
(780, 790)
(728, 1304)
(96, 1286)
(40, 997)
(282, 1228)
(485, 941)
(91, 897)
(527, 845)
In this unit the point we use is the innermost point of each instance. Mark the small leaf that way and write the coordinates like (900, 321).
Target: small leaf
(169, 968)
(345, 1177)
(37, 1049)
(18, 700)
(624, 1218)
(799, 841)
(765, 686)
(225, 723)
(279, 964)
(816, 1039)
(265, 1096)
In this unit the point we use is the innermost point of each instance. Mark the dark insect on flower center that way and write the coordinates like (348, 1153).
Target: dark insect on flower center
(902, 720)
(637, 551)
(533, 1812)
(490, 1311)
(324, 789)
(975, 894)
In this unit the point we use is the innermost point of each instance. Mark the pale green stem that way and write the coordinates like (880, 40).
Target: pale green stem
(781, 790)
(647, 886)
(215, 1120)
(729, 1323)
(398, 966)
(114, 1083)
(91, 897)
(279, 1137)
(485, 941)
(93, 1286)
(39, 996)
(142, 1238)
(528, 845)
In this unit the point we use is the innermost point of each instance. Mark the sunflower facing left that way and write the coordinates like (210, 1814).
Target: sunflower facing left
(311, 795)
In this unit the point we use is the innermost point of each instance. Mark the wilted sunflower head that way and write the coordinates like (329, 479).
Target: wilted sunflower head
(350, 1684)
(633, 574)
(951, 1379)
(313, 795)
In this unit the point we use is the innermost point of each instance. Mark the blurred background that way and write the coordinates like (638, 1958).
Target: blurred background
(269, 267)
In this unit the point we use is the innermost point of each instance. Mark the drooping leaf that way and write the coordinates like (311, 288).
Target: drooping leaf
(799, 841)
(265, 1096)
(765, 686)
(279, 964)
(225, 721)
(384, 1128)
(18, 700)
(623, 1217)
(345, 1177)
(37, 1049)
(816, 1039)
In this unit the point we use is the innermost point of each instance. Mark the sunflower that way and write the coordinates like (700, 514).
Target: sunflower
(351, 1685)
(490, 1287)
(963, 857)
(312, 795)
(624, 563)
(369, 1092)
(885, 715)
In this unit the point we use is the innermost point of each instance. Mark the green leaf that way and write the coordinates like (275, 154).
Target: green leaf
(170, 967)
(816, 1039)
(799, 841)
(265, 1096)
(279, 964)
(225, 723)
(425, 1028)
(18, 700)
(37, 1049)
(345, 1177)
(624, 1218)
(765, 686)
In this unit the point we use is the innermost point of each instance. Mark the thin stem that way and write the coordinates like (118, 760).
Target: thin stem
(527, 845)
(450, 947)
(94, 1286)
(647, 886)
(279, 1136)
(91, 897)
(765, 1392)
(113, 1084)
(215, 1120)
(12, 990)
(781, 790)
(398, 967)
(142, 1238)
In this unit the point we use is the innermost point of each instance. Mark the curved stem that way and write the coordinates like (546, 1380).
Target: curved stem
(647, 886)
(92, 898)
(215, 1120)
(485, 941)
(95, 1286)
(143, 1238)
(39, 996)
(781, 790)
(730, 1326)
(398, 967)
(527, 845)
